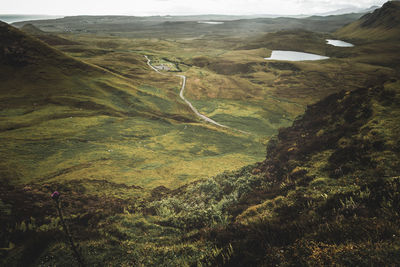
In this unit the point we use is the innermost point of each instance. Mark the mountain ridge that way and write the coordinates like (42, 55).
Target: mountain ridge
(382, 24)
(387, 16)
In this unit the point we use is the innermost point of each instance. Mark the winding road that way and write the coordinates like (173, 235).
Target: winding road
(201, 116)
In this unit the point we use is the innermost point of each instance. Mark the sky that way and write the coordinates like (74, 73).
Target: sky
(179, 7)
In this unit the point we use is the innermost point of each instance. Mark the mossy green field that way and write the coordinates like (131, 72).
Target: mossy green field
(133, 128)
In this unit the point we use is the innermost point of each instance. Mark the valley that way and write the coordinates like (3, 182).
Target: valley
(189, 141)
(181, 92)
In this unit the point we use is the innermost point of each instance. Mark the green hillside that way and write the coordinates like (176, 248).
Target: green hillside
(31, 29)
(326, 194)
(35, 75)
(382, 24)
(62, 119)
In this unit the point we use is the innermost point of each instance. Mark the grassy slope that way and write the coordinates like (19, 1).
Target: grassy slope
(327, 193)
(64, 119)
(219, 69)
(219, 66)
(331, 187)
(271, 94)
(376, 34)
(382, 24)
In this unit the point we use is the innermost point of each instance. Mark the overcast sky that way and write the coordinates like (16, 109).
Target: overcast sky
(178, 7)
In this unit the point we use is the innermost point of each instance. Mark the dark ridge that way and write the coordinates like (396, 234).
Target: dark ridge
(48, 38)
(18, 49)
(31, 29)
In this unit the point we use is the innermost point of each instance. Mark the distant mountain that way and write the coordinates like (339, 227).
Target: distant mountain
(382, 24)
(348, 11)
(188, 25)
(11, 18)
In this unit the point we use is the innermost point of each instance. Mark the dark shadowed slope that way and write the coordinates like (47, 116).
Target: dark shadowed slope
(31, 29)
(48, 38)
(33, 75)
(328, 190)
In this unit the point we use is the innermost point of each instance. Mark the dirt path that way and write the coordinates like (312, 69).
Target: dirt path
(201, 116)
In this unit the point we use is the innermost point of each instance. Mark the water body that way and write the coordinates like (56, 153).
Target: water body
(293, 56)
(211, 22)
(338, 43)
(16, 18)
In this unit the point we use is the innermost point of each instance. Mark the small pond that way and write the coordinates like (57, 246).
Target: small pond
(338, 43)
(294, 56)
(211, 22)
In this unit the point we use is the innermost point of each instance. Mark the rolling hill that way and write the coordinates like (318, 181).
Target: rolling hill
(327, 193)
(188, 26)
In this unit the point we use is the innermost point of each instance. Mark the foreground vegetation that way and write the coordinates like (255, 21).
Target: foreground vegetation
(327, 193)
